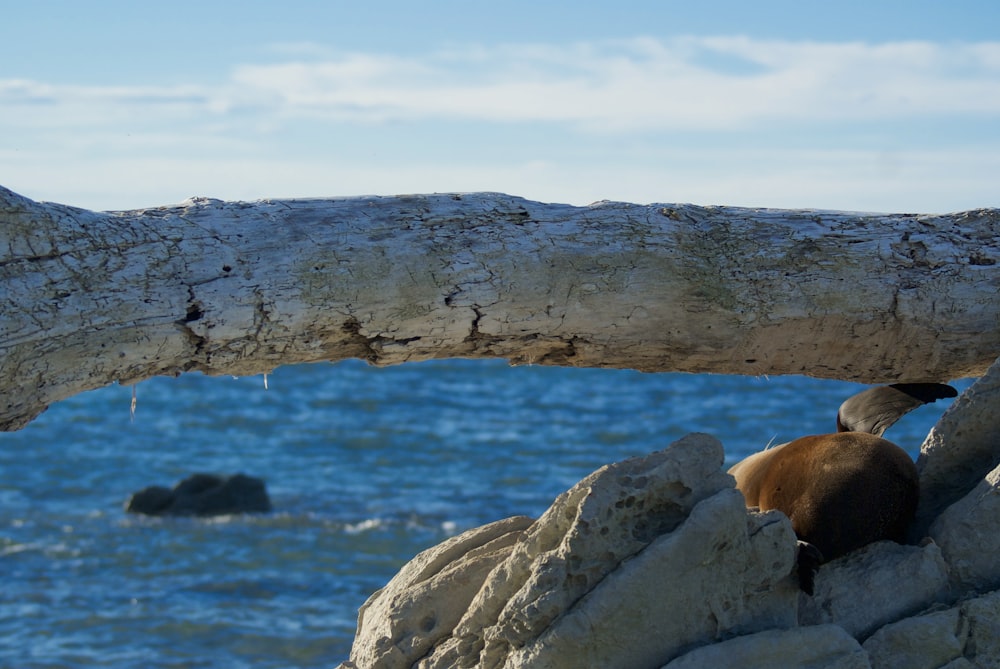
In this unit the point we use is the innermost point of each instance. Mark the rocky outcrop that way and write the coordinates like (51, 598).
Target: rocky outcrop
(875, 585)
(815, 647)
(964, 636)
(203, 495)
(969, 535)
(661, 542)
(400, 623)
(720, 573)
(960, 449)
(655, 562)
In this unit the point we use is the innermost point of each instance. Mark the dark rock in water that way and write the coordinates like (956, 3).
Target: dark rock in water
(203, 495)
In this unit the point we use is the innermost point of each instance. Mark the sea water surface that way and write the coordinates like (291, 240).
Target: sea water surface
(365, 468)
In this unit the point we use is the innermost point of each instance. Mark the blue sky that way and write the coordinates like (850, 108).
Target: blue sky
(876, 106)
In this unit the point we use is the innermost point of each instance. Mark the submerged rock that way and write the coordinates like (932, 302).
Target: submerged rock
(203, 495)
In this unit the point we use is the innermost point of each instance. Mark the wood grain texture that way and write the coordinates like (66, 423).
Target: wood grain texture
(239, 288)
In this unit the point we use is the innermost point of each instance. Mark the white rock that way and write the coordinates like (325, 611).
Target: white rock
(423, 602)
(969, 535)
(878, 584)
(722, 572)
(585, 535)
(960, 450)
(982, 615)
(649, 558)
(966, 635)
(813, 647)
(922, 642)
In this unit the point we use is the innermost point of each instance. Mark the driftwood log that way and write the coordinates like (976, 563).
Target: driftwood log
(239, 288)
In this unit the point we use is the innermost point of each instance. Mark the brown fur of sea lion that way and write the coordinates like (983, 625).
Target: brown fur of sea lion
(843, 490)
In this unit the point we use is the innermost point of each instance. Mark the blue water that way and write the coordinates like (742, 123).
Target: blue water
(365, 468)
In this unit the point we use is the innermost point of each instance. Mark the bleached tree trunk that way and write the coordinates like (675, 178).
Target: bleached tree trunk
(239, 288)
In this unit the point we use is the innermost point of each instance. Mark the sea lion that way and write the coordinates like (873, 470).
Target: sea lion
(843, 490)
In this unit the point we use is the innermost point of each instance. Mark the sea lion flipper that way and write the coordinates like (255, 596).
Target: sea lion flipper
(809, 559)
(926, 392)
(875, 409)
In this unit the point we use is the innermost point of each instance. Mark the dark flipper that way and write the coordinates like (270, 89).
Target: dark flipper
(875, 409)
(809, 559)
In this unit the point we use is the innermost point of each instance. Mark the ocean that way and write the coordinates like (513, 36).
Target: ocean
(365, 468)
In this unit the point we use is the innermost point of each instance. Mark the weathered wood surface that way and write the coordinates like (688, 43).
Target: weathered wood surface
(239, 288)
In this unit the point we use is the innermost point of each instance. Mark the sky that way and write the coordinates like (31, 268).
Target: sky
(861, 105)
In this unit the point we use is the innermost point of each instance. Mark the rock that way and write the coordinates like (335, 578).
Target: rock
(656, 560)
(588, 531)
(966, 635)
(151, 501)
(203, 495)
(969, 535)
(875, 585)
(922, 642)
(630, 566)
(960, 450)
(722, 572)
(422, 604)
(982, 615)
(813, 647)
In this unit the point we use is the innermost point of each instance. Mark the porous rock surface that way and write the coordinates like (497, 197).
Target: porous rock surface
(430, 594)
(654, 562)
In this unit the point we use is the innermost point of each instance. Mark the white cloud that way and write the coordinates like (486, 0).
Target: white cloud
(644, 83)
(640, 84)
(723, 120)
